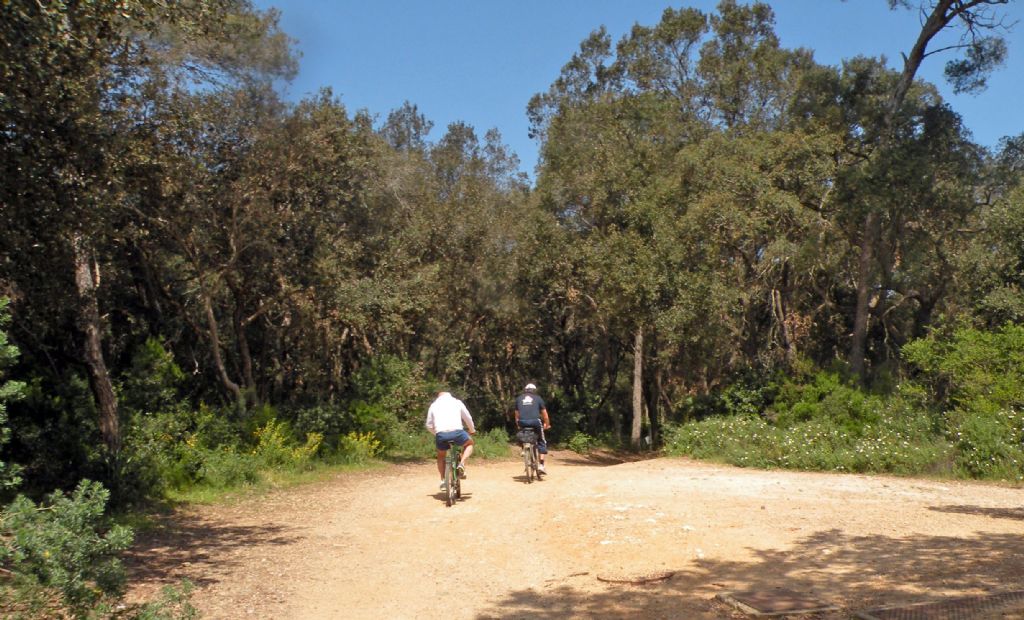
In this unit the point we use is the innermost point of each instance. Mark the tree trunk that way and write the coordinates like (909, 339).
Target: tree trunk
(86, 281)
(244, 354)
(860, 319)
(638, 388)
(222, 372)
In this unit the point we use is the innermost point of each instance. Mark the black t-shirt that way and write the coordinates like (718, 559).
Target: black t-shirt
(529, 406)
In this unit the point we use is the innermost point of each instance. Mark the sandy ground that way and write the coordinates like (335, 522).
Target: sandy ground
(597, 538)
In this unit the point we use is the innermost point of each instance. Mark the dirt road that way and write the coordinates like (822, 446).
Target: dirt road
(597, 538)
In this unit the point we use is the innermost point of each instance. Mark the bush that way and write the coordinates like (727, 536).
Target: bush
(173, 604)
(821, 425)
(976, 379)
(329, 420)
(971, 370)
(826, 398)
(491, 444)
(9, 390)
(225, 468)
(359, 447)
(988, 444)
(581, 443)
(276, 448)
(65, 545)
(410, 442)
(180, 448)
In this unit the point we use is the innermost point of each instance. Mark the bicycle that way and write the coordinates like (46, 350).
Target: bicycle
(452, 482)
(531, 456)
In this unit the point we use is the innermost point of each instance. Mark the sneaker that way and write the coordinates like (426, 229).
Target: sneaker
(444, 486)
(540, 468)
(462, 472)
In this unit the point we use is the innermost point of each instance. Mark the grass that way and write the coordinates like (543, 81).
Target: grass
(268, 480)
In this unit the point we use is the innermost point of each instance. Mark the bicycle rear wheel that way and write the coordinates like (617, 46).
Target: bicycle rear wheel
(455, 474)
(450, 479)
(528, 462)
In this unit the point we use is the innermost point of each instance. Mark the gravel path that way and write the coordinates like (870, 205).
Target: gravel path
(598, 537)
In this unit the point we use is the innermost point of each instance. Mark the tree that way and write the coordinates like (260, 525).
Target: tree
(983, 53)
(78, 78)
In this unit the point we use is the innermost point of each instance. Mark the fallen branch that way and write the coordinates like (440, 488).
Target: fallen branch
(638, 581)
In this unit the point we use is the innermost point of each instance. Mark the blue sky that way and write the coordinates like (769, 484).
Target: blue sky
(480, 61)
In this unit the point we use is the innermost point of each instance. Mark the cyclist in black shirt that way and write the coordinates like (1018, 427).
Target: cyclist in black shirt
(531, 413)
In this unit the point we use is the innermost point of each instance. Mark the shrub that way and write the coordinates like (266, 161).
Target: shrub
(410, 442)
(329, 420)
(276, 448)
(491, 444)
(173, 604)
(224, 468)
(359, 447)
(901, 440)
(9, 390)
(988, 444)
(976, 379)
(153, 380)
(65, 545)
(972, 370)
(581, 443)
(826, 398)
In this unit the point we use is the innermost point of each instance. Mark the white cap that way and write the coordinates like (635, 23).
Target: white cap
(530, 386)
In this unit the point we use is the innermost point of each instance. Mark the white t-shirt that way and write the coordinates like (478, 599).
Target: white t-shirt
(447, 413)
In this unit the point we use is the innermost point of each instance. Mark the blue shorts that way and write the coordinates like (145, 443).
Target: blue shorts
(460, 437)
(537, 425)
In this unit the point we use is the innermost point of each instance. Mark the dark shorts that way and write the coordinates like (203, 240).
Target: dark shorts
(460, 437)
(537, 425)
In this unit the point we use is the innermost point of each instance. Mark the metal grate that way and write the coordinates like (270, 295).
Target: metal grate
(967, 608)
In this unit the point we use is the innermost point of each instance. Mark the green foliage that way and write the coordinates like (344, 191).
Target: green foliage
(178, 448)
(9, 390)
(970, 369)
(330, 420)
(827, 398)
(581, 443)
(747, 397)
(976, 378)
(223, 468)
(989, 444)
(65, 544)
(387, 394)
(153, 380)
(173, 603)
(276, 448)
(411, 442)
(492, 444)
(901, 443)
(823, 424)
(385, 398)
(359, 448)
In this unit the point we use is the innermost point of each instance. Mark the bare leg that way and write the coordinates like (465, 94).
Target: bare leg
(440, 462)
(467, 449)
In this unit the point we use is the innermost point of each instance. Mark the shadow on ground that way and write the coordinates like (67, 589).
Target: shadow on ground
(1016, 514)
(601, 458)
(851, 572)
(189, 547)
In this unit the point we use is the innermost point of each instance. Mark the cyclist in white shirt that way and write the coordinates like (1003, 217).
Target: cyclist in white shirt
(444, 421)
